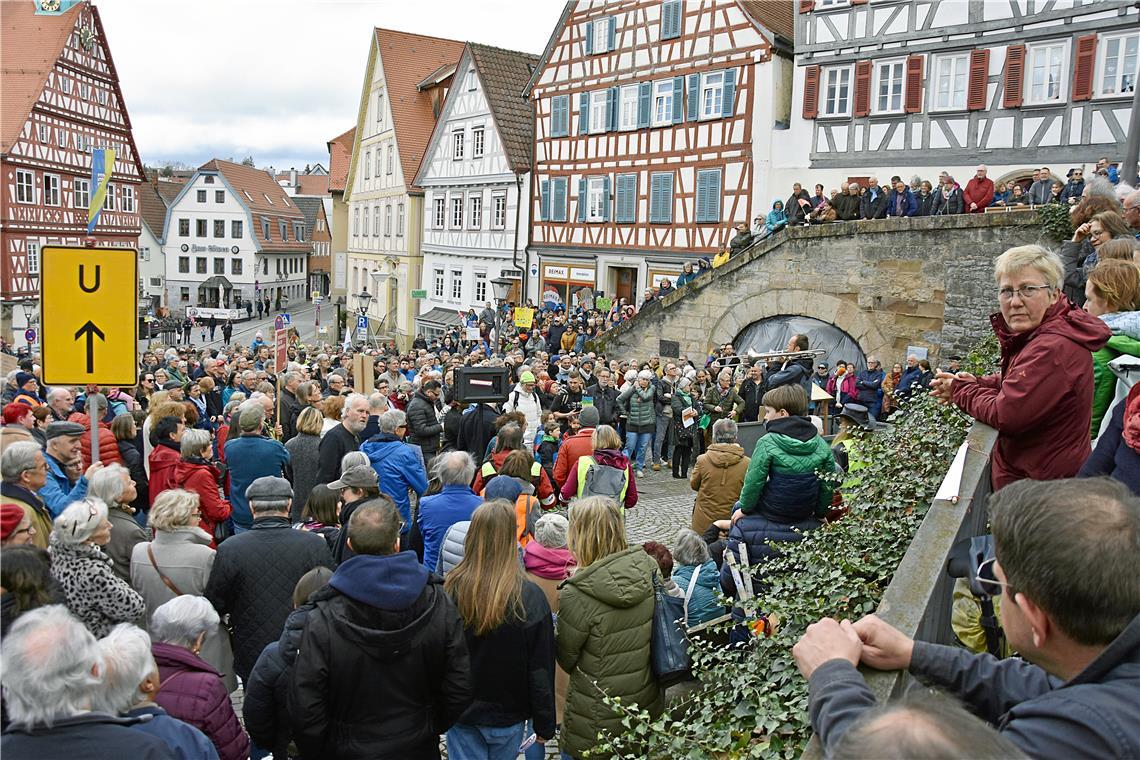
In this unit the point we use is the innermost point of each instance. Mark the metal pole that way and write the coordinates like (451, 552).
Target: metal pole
(1129, 169)
(96, 402)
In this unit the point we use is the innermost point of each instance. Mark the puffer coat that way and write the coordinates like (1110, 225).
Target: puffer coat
(192, 692)
(639, 406)
(605, 622)
(717, 478)
(703, 605)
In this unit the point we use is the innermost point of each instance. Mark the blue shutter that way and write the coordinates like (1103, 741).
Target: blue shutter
(611, 41)
(661, 198)
(556, 106)
(644, 103)
(606, 198)
(667, 196)
(583, 112)
(654, 211)
(671, 19)
(708, 195)
(612, 109)
(714, 195)
(545, 203)
(558, 200)
(729, 92)
(582, 199)
(626, 198)
(678, 99)
(589, 38)
(694, 96)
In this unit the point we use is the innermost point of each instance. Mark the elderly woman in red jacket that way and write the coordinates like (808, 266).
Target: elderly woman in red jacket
(1041, 401)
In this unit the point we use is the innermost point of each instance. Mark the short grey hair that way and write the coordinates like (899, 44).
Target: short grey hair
(182, 620)
(355, 398)
(289, 377)
(724, 431)
(79, 520)
(455, 468)
(252, 416)
(127, 661)
(107, 484)
(194, 441)
(354, 458)
(392, 419)
(377, 401)
(55, 392)
(1097, 185)
(48, 658)
(690, 549)
(18, 458)
(174, 508)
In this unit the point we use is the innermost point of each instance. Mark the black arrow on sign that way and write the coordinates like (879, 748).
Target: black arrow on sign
(91, 331)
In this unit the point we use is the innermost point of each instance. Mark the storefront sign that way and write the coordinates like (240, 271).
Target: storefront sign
(582, 275)
(553, 272)
(197, 312)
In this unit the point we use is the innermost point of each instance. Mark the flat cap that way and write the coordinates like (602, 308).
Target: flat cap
(269, 488)
(358, 476)
(56, 429)
(170, 385)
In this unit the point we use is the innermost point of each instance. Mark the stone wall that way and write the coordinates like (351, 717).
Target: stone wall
(888, 283)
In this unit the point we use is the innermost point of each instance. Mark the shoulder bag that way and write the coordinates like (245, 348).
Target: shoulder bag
(162, 576)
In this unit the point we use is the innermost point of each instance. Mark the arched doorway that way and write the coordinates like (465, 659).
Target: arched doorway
(772, 334)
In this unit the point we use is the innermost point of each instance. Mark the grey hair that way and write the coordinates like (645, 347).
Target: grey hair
(174, 508)
(724, 431)
(48, 659)
(289, 377)
(1099, 186)
(455, 468)
(127, 661)
(75, 523)
(55, 392)
(182, 620)
(252, 416)
(690, 549)
(107, 484)
(392, 419)
(194, 441)
(353, 398)
(354, 458)
(18, 458)
(377, 401)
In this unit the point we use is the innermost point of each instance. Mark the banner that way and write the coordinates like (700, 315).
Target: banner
(102, 167)
(524, 318)
(603, 304)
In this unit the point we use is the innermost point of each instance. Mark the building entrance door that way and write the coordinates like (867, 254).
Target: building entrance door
(625, 283)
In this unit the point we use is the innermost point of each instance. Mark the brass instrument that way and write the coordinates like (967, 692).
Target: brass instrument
(780, 357)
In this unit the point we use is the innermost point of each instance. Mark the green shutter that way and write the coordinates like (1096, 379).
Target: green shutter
(589, 38)
(694, 96)
(678, 99)
(729, 92)
(544, 205)
(606, 198)
(611, 37)
(559, 199)
(612, 109)
(582, 199)
(583, 112)
(644, 103)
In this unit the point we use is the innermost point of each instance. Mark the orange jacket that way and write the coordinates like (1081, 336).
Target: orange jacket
(572, 448)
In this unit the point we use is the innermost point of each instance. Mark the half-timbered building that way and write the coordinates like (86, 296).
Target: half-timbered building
(653, 124)
(914, 88)
(475, 177)
(59, 99)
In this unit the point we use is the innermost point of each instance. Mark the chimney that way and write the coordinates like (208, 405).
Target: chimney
(293, 176)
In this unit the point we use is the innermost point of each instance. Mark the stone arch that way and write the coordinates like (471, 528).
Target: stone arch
(1023, 177)
(772, 334)
(845, 315)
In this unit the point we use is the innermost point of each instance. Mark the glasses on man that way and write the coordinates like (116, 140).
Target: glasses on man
(1025, 292)
(987, 578)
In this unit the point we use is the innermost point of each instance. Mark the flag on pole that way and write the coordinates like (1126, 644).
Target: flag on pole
(102, 167)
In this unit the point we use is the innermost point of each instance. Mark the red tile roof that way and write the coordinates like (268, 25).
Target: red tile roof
(29, 47)
(504, 74)
(169, 189)
(340, 154)
(152, 208)
(265, 199)
(313, 184)
(776, 15)
(408, 59)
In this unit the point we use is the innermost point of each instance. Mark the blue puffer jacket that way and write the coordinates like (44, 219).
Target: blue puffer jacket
(703, 605)
(398, 467)
(757, 532)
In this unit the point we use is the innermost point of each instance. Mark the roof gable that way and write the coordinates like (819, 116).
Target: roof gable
(152, 209)
(504, 75)
(255, 189)
(340, 155)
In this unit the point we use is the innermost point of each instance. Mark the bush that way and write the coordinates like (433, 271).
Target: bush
(752, 702)
(1056, 221)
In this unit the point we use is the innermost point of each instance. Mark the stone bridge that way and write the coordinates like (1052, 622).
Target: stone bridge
(886, 283)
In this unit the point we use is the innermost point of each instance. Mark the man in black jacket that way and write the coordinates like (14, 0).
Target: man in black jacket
(290, 405)
(752, 391)
(873, 203)
(424, 426)
(342, 438)
(569, 402)
(383, 667)
(255, 572)
(796, 211)
(604, 396)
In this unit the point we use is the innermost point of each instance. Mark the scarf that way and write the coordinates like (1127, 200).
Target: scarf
(1131, 431)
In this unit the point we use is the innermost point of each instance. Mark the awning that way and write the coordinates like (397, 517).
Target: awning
(439, 317)
(217, 281)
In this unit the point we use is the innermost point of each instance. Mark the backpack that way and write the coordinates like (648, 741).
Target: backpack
(604, 480)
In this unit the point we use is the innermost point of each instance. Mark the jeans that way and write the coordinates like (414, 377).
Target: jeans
(635, 446)
(485, 742)
(661, 438)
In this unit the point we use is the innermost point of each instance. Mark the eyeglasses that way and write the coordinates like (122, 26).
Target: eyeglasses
(987, 578)
(1096, 233)
(1025, 292)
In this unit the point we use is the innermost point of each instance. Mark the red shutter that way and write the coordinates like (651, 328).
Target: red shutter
(858, 2)
(978, 80)
(1014, 76)
(914, 84)
(811, 92)
(807, 6)
(862, 88)
(1083, 70)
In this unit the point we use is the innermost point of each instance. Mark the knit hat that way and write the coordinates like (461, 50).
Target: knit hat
(11, 516)
(527, 377)
(23, 377)
(589, 416)
(551, 530)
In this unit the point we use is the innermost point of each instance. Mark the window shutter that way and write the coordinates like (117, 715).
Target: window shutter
(561, 127)
(612, 36)
(862, 88)
(978, 79)
(656, 202)
(1083, 68)
(806, 6)
(702, 196)
(858, 2)
(611, 109)
(671, 19)
(678, 99)
(582, 199)
(712, 196)
(589, 38)
(667, 196)
(583, 113)
(1014, 75)
(622, 199)
(606, 198)
(559, 200)
(729, 93)
(914, 84)
(694, 96)
(811, 92)
(644, 101)
(545, 203)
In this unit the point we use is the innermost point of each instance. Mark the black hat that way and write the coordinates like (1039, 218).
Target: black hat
(70, 429)
(858, 414)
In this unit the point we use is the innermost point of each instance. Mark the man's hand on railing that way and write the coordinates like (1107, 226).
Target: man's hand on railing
(884, 646)
(826, 640)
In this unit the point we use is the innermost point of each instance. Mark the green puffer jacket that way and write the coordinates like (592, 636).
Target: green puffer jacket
(782, 482)
(1104, 381)
(605, 622)
(640, 409)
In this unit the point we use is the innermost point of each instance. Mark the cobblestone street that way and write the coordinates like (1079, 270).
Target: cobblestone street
(664, 505)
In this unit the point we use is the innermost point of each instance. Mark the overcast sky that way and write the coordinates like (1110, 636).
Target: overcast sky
(276, 80)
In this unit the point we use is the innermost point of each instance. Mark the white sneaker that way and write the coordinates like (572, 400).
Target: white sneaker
(641, 473)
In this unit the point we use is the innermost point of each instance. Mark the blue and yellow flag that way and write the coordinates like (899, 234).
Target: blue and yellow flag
(102, 167)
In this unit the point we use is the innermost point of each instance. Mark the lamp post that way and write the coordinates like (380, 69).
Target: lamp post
(29, 309)
(363, 298)
(501, 287)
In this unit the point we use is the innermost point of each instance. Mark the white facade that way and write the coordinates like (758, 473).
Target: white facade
(152, 269)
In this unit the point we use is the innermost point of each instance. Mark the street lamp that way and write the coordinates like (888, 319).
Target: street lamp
(501, 286)
(363, 298)
(29, 309)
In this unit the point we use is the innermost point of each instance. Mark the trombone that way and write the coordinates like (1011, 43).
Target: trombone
(779, 357)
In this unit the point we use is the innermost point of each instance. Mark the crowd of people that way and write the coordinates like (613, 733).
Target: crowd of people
(381, 568)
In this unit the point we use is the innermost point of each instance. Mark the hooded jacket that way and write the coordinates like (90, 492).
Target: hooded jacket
(578, 445)
(438, 512)
(776, 218)
(382, 667)
(604, 627)
(192, 692)
(703, 604)
(266, 700)
(717, 478)
(108, 446)
(398, 468)
(424, 427)
(639, 407)
(527, 403)
(909, 203)
(201, 477)
(164, 459)
(544, 562)
(782, 481)
(1043, 425)
(1125, 339)
(846, 206)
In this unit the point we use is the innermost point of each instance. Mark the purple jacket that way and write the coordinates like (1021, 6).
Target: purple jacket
(192, 691)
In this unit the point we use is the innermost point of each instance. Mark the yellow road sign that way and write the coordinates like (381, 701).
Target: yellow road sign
(89, 315)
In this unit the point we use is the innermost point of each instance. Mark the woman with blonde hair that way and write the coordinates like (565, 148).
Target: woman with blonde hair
(605, 622)
(510, 638)
(1113, 294)
(160, 406)
(304, 458)
(607, 453)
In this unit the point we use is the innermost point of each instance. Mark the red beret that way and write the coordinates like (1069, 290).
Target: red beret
(10, 517)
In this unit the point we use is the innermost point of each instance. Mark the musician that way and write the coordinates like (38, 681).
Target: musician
(795, 371)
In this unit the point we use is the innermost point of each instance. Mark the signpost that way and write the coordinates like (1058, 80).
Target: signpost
(280, 361)
(288, 319)
(419, 294)
(89, 315)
